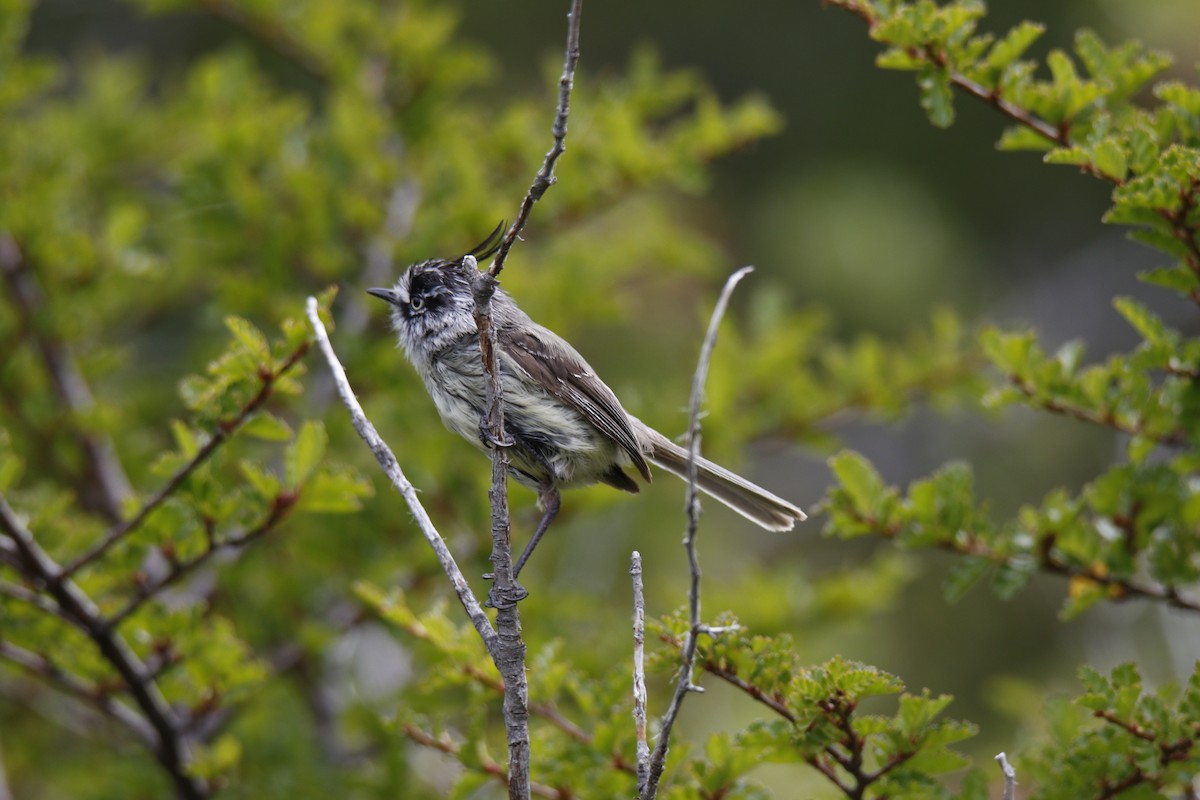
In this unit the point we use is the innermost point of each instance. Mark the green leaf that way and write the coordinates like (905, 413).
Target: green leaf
(1147, 323)
(305, 453)
(965, 573)
(1014, 44)
(335, 491)
(937, 98)
(264, 425)
(1108, 157)
(250, 338)
(860, 480)
(265, 483)
(185, 439)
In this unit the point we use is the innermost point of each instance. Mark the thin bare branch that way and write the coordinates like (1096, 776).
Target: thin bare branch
(639, 672)
(106, 470)
(391, 468)
(170, 745)
(179, 569)
(444, 744)
(29, 597)
(545, 176)
(685, 685)
(1010, 777)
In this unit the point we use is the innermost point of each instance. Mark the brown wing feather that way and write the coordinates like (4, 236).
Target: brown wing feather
(564, 373)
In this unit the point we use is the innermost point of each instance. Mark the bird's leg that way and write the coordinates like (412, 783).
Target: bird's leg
(550, 504)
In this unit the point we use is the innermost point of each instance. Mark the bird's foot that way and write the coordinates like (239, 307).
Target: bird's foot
(485, 436)
(504, 598)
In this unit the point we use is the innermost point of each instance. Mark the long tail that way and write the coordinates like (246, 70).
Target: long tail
(752, 502)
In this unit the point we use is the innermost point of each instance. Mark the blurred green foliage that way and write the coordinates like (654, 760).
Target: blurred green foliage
(157, 216)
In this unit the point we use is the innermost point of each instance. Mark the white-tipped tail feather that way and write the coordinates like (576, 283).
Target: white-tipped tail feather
(752, 502)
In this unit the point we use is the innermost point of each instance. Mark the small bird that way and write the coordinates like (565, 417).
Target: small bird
(566, 426)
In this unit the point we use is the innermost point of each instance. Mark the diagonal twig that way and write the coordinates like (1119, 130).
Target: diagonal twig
(685, 685)
(50, 673)
(223, 431)
(179, 569)
(391, 468)
(545, 176)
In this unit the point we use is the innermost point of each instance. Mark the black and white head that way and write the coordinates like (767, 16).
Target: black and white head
(432, 306)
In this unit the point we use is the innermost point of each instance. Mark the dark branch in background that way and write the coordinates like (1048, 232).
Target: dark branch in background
(50, 673)
(110, 480)
(269, 33)
(639, 672)
(685, 685)
(224, 430)
(169, 743)
(391, 468)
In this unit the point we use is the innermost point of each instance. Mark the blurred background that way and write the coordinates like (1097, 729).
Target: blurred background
(857, 210)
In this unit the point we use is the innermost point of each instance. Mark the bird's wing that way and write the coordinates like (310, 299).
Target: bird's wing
(563, 372)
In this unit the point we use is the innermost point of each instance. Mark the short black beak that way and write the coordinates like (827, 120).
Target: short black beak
(386, 294)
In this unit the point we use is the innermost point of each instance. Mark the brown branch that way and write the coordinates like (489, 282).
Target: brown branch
(444, 744)
(1059, 135)
(1120, 588)
(73, 392)
(1107, 418)
(280, 507)
(169, 745)
(224, 430)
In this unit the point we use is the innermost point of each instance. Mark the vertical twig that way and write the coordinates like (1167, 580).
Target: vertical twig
(639, 671)
(508, 651)
(392, 468)
(685, 684)
(545, 177)
(1010, 777)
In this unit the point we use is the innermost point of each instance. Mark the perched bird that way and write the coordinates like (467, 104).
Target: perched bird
(566, 426)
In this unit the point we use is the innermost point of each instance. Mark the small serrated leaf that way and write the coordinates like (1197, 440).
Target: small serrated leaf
(250, 337)
(264, 425)
(936, 96)
(305, 453)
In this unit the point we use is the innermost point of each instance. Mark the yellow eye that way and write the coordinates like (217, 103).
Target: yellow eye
(417, 303)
